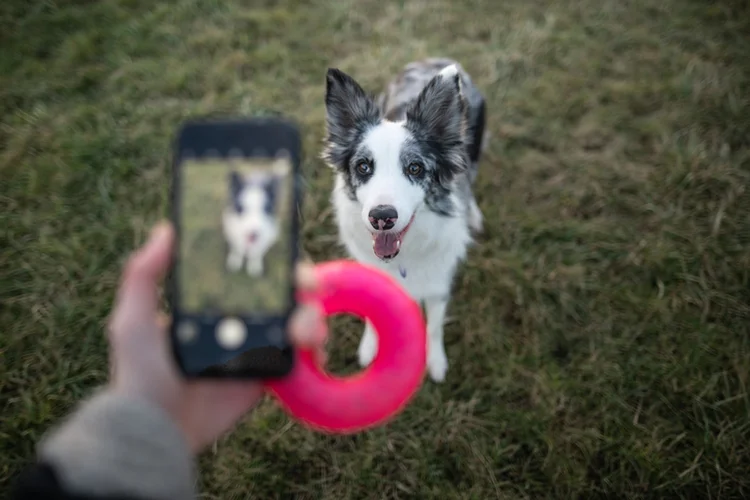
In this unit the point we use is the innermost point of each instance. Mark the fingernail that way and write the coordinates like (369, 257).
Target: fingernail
(159, 231)
(304, 321)
(306, 278)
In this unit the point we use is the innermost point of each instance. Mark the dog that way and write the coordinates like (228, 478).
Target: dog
(404, 165)
(250, 219)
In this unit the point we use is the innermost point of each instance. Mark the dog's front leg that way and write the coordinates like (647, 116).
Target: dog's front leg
(475, 217)
(368, 346)
(234, 260)
(255, 265)
(437, 361)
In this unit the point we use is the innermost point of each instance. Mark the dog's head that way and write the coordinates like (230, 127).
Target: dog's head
(254, 201)
(396, 169)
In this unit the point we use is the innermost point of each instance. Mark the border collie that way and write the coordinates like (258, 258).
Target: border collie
(250, 221)
(404, 167)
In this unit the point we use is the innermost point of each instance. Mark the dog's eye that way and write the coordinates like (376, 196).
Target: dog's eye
(364, 168)
(415, 168)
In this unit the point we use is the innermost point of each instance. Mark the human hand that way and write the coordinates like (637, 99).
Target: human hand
(141, 362)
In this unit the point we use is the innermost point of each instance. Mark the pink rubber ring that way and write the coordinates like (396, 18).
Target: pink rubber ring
(346, 405)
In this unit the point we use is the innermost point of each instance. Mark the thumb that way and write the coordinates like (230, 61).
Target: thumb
(137, 298)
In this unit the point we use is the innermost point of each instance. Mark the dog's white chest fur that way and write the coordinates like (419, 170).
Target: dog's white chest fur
(425, 267)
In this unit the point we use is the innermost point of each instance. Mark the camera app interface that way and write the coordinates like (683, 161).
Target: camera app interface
(235, 236)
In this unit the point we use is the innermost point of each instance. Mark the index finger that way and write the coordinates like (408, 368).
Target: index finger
(305, 276)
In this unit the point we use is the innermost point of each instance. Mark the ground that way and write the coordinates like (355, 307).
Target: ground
(598, 337)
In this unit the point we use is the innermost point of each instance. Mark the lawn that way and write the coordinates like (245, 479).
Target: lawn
(598, 337)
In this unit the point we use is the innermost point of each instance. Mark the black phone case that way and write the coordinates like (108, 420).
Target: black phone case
(252, 137)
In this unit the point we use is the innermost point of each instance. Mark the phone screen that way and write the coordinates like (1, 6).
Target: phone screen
(235, 248)
(234, 264)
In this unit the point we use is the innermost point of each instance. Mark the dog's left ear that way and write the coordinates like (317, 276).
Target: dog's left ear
(235, 183)
(440, 109)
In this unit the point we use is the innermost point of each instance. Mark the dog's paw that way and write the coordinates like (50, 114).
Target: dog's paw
(255, 268)
(368, 347)
(437, 363)
(234, 262)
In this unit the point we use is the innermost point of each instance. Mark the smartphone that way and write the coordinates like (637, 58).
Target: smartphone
(234, 198)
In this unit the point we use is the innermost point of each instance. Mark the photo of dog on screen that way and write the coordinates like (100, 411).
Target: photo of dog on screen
(251, 218)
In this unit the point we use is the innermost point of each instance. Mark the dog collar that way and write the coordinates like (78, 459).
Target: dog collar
(402, 271)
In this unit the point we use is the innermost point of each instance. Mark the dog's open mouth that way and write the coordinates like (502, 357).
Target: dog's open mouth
(387, 245)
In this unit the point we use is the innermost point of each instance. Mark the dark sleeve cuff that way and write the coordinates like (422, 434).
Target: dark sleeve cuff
(40, 481)
(116, 447)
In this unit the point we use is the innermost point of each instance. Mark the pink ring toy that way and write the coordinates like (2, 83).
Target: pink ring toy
(345, 405)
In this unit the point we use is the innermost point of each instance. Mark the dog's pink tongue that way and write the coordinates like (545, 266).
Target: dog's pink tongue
(386, 244)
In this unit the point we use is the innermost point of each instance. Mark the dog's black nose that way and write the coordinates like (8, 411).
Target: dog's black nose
(383, 217)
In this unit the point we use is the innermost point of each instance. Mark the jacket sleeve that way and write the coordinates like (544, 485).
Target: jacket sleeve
(112, 448)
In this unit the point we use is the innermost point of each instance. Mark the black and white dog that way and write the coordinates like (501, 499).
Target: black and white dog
(250, 220)
(405, 164)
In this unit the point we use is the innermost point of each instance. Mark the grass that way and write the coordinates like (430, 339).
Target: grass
(598, 337)
(205, 282)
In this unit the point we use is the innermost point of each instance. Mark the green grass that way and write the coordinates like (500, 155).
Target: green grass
(598, 337)
(205, 282)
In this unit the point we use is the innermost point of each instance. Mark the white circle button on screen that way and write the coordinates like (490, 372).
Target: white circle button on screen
(187, 331)
(231, 333)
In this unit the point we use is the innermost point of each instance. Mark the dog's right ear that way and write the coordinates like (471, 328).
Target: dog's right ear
(349, 111)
